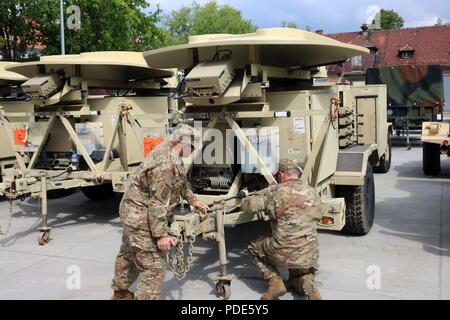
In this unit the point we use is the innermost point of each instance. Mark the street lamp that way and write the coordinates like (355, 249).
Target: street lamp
(61, 7)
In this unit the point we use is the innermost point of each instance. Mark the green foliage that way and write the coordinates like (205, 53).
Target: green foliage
(180, 24)
(17, 32)
(207, 19)
(293, 25)
(105, 25)
(391, 20)
(108, 25)
(289, 24)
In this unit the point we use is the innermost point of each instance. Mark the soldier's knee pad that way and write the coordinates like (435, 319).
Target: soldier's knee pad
(301, 280)
(310, 288)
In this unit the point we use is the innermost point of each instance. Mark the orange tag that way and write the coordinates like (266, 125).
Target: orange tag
(150, 144)
(20, 137)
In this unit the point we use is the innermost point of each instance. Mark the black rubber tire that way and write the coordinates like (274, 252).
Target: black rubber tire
(431, 159)
(360, 203)
(99, 193)
(385, 164)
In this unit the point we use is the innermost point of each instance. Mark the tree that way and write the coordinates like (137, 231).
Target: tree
(293, 25)
(17, 32)
(289, 24)
(207, 19)
(180, 24)
(390, 20)
(439, 22)
(105, 25)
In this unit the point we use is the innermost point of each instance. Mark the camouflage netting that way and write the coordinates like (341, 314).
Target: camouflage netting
(410, 86)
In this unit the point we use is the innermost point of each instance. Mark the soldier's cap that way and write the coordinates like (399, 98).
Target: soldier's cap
(288, 164)
(186, 134)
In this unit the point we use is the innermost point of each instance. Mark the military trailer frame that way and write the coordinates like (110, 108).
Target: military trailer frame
(342, 131)
(345, 130)
(53, 157)
(435, 142)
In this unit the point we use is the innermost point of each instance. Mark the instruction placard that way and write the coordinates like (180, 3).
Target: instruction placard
(299, 125)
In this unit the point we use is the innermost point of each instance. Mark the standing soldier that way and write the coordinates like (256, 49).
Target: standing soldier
(295, 210)
(155, 190)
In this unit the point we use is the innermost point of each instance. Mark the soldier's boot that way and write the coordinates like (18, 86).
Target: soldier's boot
(308, 286)
(295, 282)
(123, 295)
(275, 290)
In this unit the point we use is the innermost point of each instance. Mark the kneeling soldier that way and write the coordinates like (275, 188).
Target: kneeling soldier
(295, 210)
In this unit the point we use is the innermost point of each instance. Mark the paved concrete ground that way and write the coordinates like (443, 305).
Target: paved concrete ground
(409, 246)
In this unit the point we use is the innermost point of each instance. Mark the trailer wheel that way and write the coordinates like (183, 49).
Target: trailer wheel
(385, 162)
(431, 159)
(360, 202)
(223, 289)
(99, 193)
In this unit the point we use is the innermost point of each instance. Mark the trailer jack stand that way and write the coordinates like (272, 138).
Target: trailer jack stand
(44, 234)
(223, 285)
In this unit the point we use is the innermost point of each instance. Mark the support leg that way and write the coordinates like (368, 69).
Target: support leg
(223, 286)
(44, 234)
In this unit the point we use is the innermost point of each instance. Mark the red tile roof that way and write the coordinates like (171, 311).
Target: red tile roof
(431, 45)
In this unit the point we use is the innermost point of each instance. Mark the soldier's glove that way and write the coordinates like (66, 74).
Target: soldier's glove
(261, 215)
(243, 194)
(201, 214)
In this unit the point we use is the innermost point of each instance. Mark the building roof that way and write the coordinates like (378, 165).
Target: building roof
(431, 45)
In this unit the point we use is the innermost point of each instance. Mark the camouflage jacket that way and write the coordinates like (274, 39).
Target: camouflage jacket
(295, 210)
(154, 191)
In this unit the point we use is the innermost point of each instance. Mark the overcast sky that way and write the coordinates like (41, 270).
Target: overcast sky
(331, 15)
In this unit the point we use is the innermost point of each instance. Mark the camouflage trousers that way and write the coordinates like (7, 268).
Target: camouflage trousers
(267, 257)
(139, 259)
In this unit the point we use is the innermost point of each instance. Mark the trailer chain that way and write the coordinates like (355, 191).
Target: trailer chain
(11, 207)
(125, 113)
(178, 265)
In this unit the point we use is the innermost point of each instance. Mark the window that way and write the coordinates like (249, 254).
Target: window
(357, 63)
(407, 54)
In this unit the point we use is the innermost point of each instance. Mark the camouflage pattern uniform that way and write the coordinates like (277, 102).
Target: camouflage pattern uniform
(154, 191)
(295, 210)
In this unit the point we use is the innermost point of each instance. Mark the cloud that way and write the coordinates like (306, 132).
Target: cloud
(427, 20)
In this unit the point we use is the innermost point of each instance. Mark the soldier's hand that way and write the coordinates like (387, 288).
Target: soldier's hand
(201, 205)
(165, 243)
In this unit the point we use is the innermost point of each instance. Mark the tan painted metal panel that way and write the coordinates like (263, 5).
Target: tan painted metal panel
(276, 47)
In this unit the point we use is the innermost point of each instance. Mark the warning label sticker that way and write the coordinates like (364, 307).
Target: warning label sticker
(20, 136)
(151, 143)
(299, 125)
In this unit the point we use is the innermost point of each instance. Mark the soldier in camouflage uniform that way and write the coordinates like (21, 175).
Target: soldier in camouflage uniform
(295, 210)
(154, 191)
